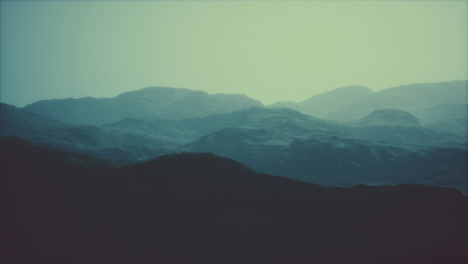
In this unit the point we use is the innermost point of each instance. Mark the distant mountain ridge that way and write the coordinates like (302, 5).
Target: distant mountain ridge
(412, 98)
(328, 102)
(151, 102)
(430, 102)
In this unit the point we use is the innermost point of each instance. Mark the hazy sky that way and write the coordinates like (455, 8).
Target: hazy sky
(269, 50)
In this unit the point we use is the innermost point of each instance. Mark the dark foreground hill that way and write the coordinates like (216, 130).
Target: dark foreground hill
(60, 207)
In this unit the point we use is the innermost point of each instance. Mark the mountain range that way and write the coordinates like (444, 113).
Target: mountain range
(429, 102)
(164, 175)
(63, 207)
(151, 102)
(388, 146)
(329, 102)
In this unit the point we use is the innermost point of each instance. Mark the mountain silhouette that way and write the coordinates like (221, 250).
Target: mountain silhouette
(428, 102)
(159, 102)
(413, 98)
(62, 207)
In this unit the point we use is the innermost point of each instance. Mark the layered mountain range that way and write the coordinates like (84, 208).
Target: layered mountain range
(408, 134)
(164, 175)
(62, 208)
(159, 102)
(429, 102)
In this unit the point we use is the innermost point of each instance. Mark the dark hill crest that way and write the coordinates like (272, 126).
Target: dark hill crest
(145, 213)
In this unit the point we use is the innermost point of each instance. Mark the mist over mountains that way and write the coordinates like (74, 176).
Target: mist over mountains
(430, 102)
(386, 146)
(160, 102)
(181, 176)
(329, 102)
(233, 132)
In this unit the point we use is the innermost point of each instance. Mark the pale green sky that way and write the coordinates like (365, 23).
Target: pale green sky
(269, 50)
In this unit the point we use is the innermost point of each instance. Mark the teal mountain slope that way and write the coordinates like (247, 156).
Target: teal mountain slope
(414, 98)
(325, 103)
(429, 102)
(151, 102)
(389, 117)
(267, 140)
